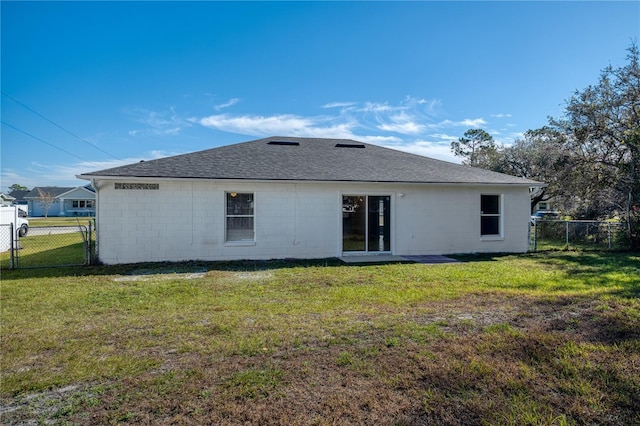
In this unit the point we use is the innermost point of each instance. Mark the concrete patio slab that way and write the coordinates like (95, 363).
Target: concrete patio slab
(387, 258)
(431, 258)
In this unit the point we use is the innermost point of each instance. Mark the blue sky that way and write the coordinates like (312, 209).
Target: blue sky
(91, 85)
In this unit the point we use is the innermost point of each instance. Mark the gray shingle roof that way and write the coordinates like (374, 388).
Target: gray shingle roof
(19, 194)
(308, 159)
(55, 190)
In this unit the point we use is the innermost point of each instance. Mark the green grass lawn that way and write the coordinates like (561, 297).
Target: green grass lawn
(48, 250)
(59, 221)
(509, 340)
(46, 245)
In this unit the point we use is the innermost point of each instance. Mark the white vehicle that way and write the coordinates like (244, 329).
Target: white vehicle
(12, 214)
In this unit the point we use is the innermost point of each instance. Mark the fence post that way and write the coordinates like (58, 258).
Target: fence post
(567, 235)
(94, 252)
(89, 248)
(11, 247)
(609, 234)
(535, 236)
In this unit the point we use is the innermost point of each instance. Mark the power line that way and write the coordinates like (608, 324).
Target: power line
(58, 126)
(46, 143)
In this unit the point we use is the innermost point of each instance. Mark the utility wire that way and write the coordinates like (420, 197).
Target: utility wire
(4, 123)
(58, 126)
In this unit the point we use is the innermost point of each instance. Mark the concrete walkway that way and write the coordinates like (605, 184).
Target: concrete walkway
(388, 258)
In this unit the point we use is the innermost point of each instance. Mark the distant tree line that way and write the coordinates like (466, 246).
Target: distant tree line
(589, 158)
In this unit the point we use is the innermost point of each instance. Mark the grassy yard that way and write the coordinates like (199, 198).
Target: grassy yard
(51, 242)
(59, 221)
(544, 339)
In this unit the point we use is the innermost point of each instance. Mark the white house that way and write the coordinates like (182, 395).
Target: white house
(285, 197)
(6, 199)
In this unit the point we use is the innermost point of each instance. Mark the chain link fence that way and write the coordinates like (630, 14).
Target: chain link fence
(47, 246)
(578, 235)
(7, 240)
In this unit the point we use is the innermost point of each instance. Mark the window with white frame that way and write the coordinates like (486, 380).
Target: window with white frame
(82, 204)
(239, 217)
(490, 215)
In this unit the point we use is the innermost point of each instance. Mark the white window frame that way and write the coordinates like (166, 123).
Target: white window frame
(82, 204)
(246, 241)
(499, 215)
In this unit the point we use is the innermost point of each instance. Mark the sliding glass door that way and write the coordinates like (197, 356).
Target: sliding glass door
(366, 223)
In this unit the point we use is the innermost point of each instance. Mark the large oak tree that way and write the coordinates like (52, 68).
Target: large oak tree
(602, 128)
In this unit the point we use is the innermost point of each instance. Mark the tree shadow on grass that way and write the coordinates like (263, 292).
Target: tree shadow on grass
(621, 271)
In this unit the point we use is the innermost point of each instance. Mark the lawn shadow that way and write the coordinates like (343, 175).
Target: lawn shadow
(608, 321)
(152, 268)
(596, 269)
(600, 269)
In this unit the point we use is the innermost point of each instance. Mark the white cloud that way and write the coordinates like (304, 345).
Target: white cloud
(158, 123)
(432, 149)
(377, 107)
(431, 106)
(407, 125)
(283, 124)
(467, 122)
(402, 123)
(41, 174)
(378, 140)
(227, 104)
(473, 122)
(501, 115)
(257, 125)
(339, 105)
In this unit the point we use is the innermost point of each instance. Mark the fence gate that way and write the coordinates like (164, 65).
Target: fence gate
(48, 246)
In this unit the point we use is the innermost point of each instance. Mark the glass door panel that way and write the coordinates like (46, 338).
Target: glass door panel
(379, 235)
(354, 222)
(366, 223)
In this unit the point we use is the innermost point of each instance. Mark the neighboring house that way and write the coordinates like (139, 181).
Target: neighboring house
(19, 200)
(285, 197)
(6, 199)
(546, 206)
(67, 201)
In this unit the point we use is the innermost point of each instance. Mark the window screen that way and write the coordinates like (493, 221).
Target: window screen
(490, 215)
(239, 217)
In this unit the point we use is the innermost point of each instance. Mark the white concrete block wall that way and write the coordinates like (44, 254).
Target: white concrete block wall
(446, 220)
(185, 220)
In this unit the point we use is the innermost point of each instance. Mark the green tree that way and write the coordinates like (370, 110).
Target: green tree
(602, 126)
(17, 187)
(540, 155)
(474, 147)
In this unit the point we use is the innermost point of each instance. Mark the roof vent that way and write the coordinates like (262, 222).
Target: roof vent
(285, 143)
(349, 145)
